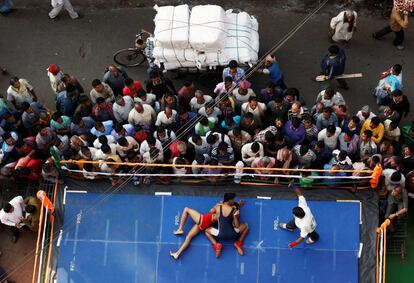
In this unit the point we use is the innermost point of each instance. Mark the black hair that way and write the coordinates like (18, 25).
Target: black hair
(233, 64)
(13, 80)
(211, 139)
(342, 154)
(255, 147)
(249, 115)
(7, 207)
(253, 97)
(228, 79)
(333, 49)
(160, 129)
(204, 121)
(187, 83)
(151, 139)
(350, 133)
(25, 105)
(30, 208)
(292, 91)
(229, 196)
(375, 120)
(330, 91)
(128, 81)
(70, 88)
(331, 129)
(368, 133)
(396, 176)
(356, 119)
(298, 212)
(327, 109)
(303, 150)
(222, 146)
(96, 82)
(117, 127)
(103, 139)
(122, 141)
(296, 122)
(195, 138)
(397, 92)
(397, 68)
(100, 100)
(106, 148)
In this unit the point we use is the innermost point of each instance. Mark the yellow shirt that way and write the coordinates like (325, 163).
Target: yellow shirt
(377, 133)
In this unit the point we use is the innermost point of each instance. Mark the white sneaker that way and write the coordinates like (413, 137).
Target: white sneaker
(283, 226)
(309, 241)
(400, 47)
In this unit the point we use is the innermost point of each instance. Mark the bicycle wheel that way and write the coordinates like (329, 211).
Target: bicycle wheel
(129, 57)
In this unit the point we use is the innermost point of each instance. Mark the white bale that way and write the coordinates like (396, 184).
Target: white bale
(207, 28)
(175, 58)
(242, 41)
(171, 26)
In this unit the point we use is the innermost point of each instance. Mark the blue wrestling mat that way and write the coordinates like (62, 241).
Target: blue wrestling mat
(127, 238)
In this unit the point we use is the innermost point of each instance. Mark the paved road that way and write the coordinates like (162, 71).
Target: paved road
(30, 41)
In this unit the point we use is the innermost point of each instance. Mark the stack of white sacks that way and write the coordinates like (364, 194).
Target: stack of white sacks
(205, 37)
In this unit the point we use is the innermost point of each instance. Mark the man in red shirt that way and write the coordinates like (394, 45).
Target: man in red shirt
(131, 87)
(185, 94)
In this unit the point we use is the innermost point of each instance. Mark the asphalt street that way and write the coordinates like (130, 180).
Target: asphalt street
(30, 42)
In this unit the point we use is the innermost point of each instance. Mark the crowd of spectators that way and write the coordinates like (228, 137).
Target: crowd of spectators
(119, 119)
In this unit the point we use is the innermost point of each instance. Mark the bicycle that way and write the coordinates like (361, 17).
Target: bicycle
(131, 57)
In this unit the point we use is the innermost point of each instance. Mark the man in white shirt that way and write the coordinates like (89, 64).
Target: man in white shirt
(20, 91)
(11, 215)
(303, 219)
(251, 151)
(167, 118)
(199, 100)
(101, 89)
(200, 145)
(143, 115)
(121, 108)
(330, 136)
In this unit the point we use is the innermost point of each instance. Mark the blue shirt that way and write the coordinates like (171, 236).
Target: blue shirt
(275, 73)
(238, 76)
(89, 123)
(296, 136)
(66, 105)
(322, 123)
(335, 66)
(108, 129)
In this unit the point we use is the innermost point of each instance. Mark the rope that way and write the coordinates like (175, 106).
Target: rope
(99, 162)
(216, 175)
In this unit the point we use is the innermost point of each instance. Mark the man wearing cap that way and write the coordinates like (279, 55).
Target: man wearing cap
(273, 70)
(333, 64)
(55, 75)
(365, 114)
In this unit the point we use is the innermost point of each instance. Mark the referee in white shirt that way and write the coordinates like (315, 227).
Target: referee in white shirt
(303, 219)
(11, 215)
